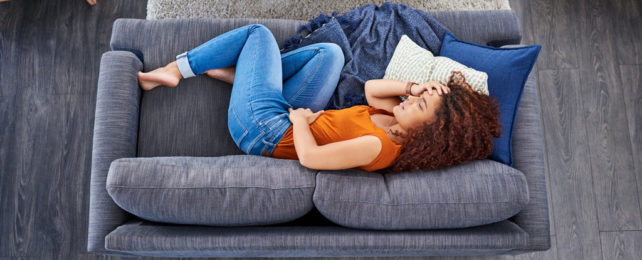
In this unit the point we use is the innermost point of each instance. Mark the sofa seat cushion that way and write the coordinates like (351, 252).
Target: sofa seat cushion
(474, 193)
(233, 190)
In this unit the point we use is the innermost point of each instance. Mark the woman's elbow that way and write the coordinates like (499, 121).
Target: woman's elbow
(368, 83)
(303, 158)
(304, 161)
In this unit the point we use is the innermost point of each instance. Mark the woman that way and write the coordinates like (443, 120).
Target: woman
(429, 130)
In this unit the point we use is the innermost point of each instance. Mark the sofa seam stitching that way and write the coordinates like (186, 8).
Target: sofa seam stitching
(134, 187)
(427, 203)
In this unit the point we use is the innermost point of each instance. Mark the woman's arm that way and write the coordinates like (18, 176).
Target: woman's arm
(340, 155)
(384, 88)
(383, 93)
(303, 139)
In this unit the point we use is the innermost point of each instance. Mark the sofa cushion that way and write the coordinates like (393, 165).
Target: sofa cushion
(234, 190)
(508, 70)
(474, 193)
(411, 62)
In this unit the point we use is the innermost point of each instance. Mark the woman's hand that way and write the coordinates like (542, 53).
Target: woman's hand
(304, 114)
(417, 90)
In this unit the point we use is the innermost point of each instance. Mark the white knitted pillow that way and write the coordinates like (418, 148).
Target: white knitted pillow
(411, 62)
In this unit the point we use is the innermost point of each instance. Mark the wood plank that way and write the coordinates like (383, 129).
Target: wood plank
(632, 87)
(606, 124)
(8, 119)
(79, 55)
(555, 28)
(7, 171)
(47, 189)
(621, 245)
(19, 203)
(569, 165)
(11, 13)
(626, 29)
(33, 43)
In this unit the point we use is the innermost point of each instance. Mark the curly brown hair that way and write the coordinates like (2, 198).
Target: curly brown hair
(465, 126)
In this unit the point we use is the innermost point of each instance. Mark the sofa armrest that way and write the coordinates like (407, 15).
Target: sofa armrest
(115, 136)
(529, 156)
(487, 27)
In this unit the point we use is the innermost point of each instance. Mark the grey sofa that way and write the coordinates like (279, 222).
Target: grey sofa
(187, 126)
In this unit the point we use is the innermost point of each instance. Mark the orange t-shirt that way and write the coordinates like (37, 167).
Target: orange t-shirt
(339, 125)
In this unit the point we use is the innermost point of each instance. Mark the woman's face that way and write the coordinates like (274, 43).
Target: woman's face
(416, 111)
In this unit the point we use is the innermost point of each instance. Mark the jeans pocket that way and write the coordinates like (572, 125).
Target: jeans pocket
(268, 147)
(237, 130)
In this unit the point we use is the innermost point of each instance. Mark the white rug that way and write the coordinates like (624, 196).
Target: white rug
(294, 9)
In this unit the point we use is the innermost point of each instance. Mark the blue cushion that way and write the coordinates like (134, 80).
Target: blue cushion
(507, 70)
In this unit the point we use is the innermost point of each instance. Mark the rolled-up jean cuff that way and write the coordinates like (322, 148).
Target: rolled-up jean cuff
(183, 65)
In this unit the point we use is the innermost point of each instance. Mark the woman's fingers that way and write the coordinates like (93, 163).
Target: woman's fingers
(435, 87)
(438, 88)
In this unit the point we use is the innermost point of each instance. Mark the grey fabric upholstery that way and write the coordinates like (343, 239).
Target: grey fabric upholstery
(475, 193)
(152, 239)
(495, 28)
(191, 120)
(115, 136)
(528, 153)
(232, 190)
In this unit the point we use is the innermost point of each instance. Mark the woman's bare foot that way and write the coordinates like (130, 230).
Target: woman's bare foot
(166, 76)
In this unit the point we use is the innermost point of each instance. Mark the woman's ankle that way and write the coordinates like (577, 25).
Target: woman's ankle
(172, 67)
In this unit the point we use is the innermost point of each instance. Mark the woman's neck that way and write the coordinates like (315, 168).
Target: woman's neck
(393, 126)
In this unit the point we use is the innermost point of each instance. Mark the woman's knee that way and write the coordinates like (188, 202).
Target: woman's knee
(257, 26)
(333, 52)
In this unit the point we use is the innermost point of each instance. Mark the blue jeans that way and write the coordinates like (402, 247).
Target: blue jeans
(266, 83)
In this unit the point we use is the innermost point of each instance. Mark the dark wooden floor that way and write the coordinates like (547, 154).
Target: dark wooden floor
(589, 73)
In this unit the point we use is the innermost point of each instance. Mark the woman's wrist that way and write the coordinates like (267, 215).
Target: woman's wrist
(409, 86)
(304, 141)
(295, 120)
